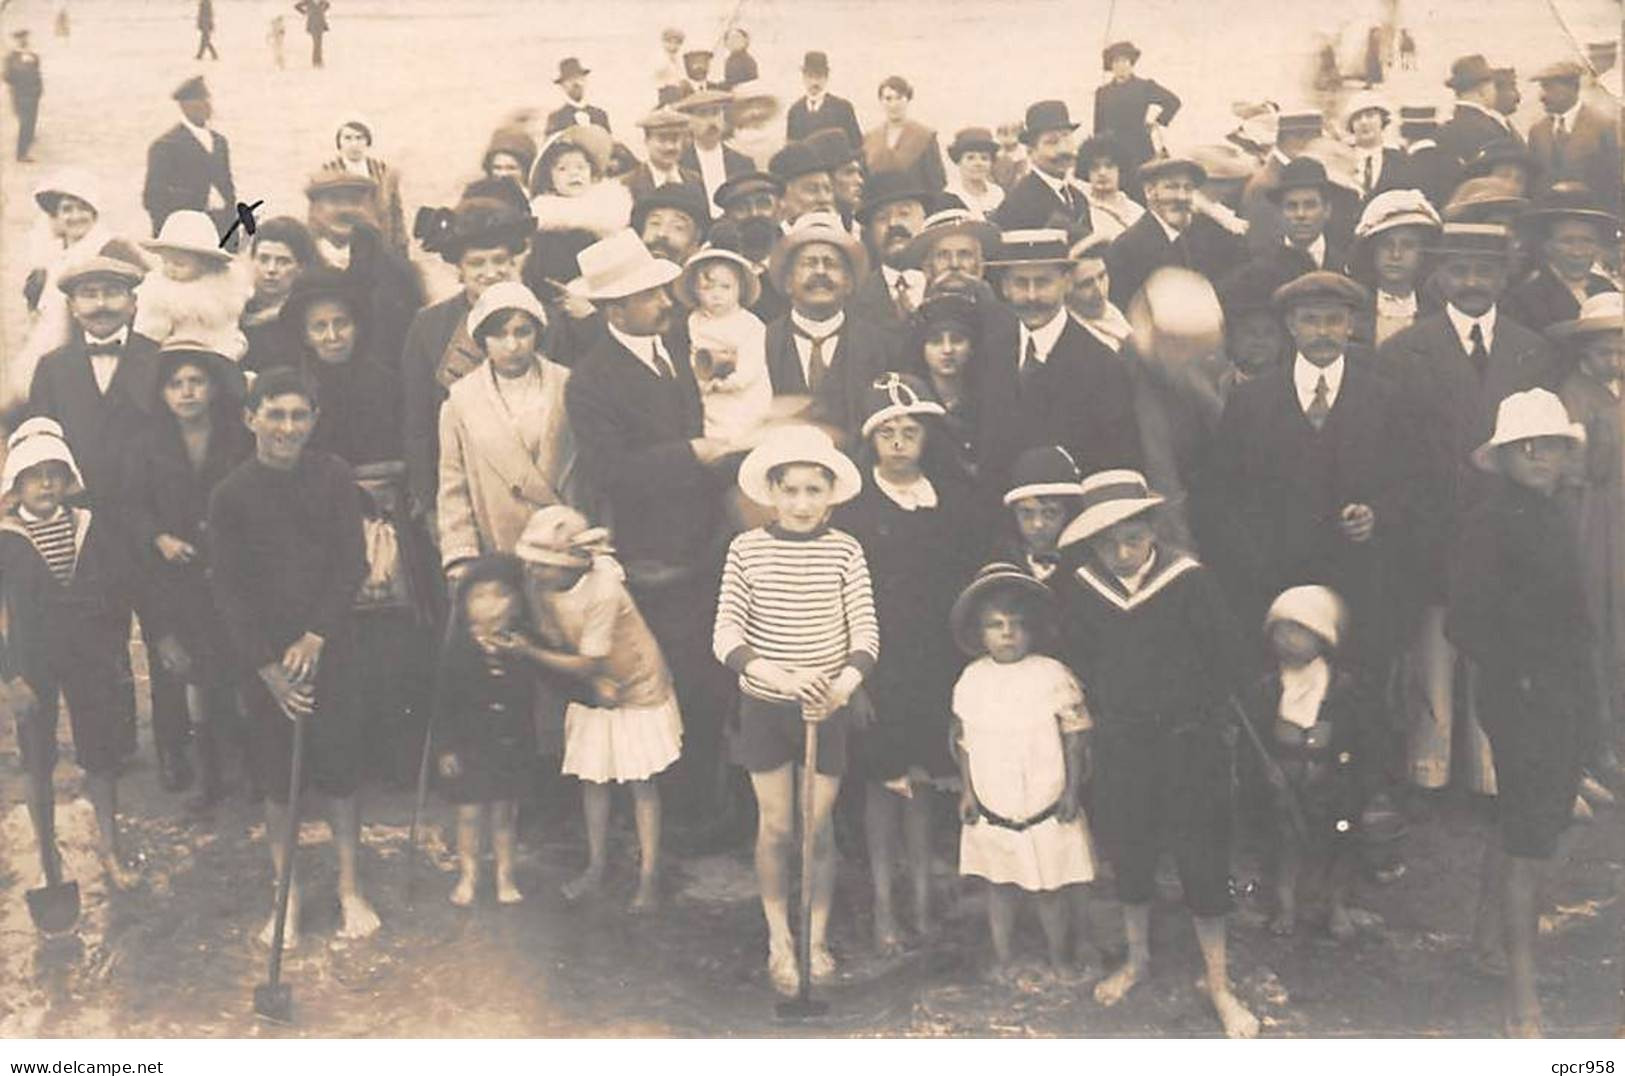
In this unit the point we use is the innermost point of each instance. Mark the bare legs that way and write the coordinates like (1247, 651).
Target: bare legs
(1505, 930)
(1238, 1022)
(276, 821)
(775, 833)
(357, 917)
(470, 826)
(885, 812)
(102, 791)
(595, 805)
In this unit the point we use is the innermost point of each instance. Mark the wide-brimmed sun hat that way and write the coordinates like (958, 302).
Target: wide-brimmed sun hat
(561, 536)
(1600, 313)
(189, 232)
(620, 265)
(797, 444)
(990, 579)
(1523, 416)
(38, 440)
(815, 228)
(750, 288)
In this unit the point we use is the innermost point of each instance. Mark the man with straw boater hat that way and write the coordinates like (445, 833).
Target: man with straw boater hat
(1518, 611)
(634, 407)
(1567, 231)
(1451, 370)
(1046, 196)
(1050, 381)
(189, 165)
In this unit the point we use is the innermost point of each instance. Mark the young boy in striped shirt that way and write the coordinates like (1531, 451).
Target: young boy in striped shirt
(796, 621)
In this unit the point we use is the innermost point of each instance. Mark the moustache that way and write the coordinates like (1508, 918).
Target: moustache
(898, 234)
(821, 281)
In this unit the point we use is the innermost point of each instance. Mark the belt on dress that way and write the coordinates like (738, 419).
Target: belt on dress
(1010, 823)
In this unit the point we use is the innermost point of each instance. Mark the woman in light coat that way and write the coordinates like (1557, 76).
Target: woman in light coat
(505, 443)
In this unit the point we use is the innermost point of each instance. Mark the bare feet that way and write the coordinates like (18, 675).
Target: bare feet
(1341, 924)
(888, 942)
(647, 898)
(290, 929)
(1284, 923)
(463, 895)
(1114, 987)
(357, 918)
(782, 970)
(583, 885)
(1238, 1021)
(822, 964)
(507, 891)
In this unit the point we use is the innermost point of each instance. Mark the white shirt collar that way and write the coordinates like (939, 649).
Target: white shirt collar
(1396, 306)
(1044, 337)
(917, 494)
(1133, 583)
(826, 327)
(1303, 691)
(664, 176)
(1041, 569)
(1315, 250)
(1569, 117)
(334, 255)
(1306, 375)
(1464, 327)
(30, 517)
(118, 339)
(1168, 229)
(1111, 328)
(204, 136)
(815, 103)
(356, 167)
(641, 346)
(913, 281)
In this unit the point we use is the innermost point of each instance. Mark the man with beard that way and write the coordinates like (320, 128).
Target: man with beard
(634, 407)
(1051, 381)
(1170, 233)
(189, 165)
(575, 112)
(892, 214)
(672, 221)
(808, 185)
(818, 348)
(951, 249)
(750, 202)
(1046, 195)
(845, 163)
(347, 240)
(665, 136)
(1450, 371)
(705, 155)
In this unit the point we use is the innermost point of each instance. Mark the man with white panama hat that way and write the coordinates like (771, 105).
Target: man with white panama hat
(634, 406)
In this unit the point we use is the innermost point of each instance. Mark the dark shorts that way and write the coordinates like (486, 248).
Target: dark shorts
(335, 740)
(1154, 791)
(98, 710)
(1535, 742)
(773, 733)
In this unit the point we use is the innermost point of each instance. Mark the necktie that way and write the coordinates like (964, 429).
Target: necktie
(1029, 365)
(905, 303)
(1320, 406)
(816, 366)
(1561, 126)
(1370, 174)
(103, 347)
(1479, 354)
(662, 363)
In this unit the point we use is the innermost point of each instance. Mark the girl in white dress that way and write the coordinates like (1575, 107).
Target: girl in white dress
(1020, 734)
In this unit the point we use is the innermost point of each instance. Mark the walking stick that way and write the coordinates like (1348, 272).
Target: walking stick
(272, 998)
(1274, 775)
(417, 809)
(803, 1006)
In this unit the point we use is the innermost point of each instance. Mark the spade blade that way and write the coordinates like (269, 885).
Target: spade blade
(54, 908)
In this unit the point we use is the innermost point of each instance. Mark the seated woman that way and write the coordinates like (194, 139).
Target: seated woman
(354, 141)
(360, 417)
(902, 145)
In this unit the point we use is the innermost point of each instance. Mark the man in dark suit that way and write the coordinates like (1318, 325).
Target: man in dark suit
(22, 75)
(808, 185)
(1046, 197)
(1567, 231)
(820, 108)
(672, 221)
(100, 387)
(665, 136)
(1308, 472)
(634, 407)
(1429, 169)
(1475, 120)
(1377, 167)
(892, 214)
(705, 155)
(1574, 141)
(572, 82)
(340, 224)
(1295, 133)
(1304, 196)
(1170, 233)
(820, 348)
(1050, 381)
(189, 165)
(1450, 371)
(750, 206)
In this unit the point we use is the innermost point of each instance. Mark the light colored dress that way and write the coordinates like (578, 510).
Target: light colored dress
(735, 405)
(1013, 716)
(641, 735)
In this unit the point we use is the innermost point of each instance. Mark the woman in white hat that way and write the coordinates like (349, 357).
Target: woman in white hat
(70, 230)
(198, 295)
(1394, 229)
(1517, 608)
(506, 449)
(1592, 394)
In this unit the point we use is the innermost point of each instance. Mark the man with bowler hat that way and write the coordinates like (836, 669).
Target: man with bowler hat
(572, 82)
(820, 108)
(1046, 197)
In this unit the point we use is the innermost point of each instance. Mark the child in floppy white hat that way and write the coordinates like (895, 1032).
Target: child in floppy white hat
(198, 296)
(729, 342)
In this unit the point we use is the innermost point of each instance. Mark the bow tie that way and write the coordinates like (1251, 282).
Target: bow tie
(104, 347)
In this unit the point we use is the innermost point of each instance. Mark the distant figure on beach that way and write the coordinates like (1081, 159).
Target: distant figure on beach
(1407, 51)
(205, 30)
(62, 27)
(277, 36)
(22, 77)
(315, 13)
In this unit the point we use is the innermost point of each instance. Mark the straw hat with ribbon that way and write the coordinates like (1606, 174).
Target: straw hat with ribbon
(892, 395)
(1601, 313)
(815, 228)
(991, 579)
(1108, 497)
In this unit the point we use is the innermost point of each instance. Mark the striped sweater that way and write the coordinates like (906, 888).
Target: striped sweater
(800, 601)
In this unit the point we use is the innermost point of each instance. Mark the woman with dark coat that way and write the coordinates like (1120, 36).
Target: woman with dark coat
(360, 417)
(195, 439)
(1121, 104)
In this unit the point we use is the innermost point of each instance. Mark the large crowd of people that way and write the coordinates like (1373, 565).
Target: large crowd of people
(1137, 495)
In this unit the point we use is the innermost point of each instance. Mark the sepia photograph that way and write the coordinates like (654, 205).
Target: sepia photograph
(816, 519)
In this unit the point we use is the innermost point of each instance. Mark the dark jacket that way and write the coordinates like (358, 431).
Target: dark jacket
(640, 181)
(1469, 130)
(389, 285)
(1433, 171)
(1542, 300)
(1391, 174)
(632, 431)
(180, 172)
(360, 416)
(1285, 262)
(738, 67)
(1589, 153)
(1033, 203)
(835, 112)
(734, 163)
(422, 393)
(570, 115)
(875, 304)
(1120, 109)
(918, 155)
(100, 428)
(1145, 248)
(861, 353)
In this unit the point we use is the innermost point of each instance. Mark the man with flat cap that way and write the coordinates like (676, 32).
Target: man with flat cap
(1450, 371)
(347, 240)
(672, 220)
(572, 83)
(808, 185)
(1046, 197)
(705, 155)
(1475, 121)
(189, 165)
(665, 136)
(1575, 141)
(820, 108)
(23, 79)
(1123, 106)
(892, 214)
(1307, 471)
(1171, 232)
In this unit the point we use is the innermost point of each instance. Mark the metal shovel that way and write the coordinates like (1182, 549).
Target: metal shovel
(273, 1000)
(803, 1006)
(54, 906)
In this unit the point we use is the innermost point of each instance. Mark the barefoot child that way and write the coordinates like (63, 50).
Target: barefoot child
(1148, 631)
(1320, 730)
(917, 523)
(199, 296)
(286, 558)
(796, 621)
(631, 731)
(484, 733)
(64, 582)
(1020, 726)
(729, 342)
(1518, 610)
